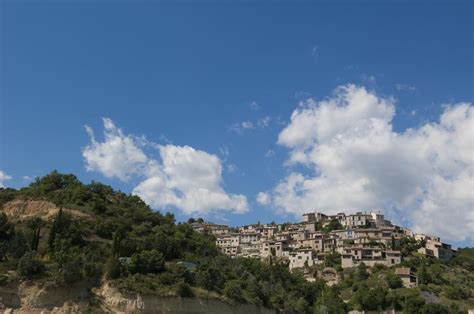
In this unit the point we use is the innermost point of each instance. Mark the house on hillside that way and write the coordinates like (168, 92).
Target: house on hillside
(408, 277)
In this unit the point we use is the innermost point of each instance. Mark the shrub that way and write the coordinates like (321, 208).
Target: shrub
(147, 262)
(457, 293)
(184, 290)
(29, 266)
(394, 281)
(233, 290)
(112, 268)
(434, 308)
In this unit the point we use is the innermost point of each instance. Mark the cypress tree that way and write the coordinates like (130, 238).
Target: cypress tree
(55, 228)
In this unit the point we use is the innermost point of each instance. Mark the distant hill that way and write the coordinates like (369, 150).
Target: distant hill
(69, 246)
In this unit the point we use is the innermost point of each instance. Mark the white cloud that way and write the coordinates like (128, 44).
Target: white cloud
(270, 153)
(301, 94)
(231, 168)
(224, 151)
(261, 123)
(247, 125)
(405, 87)
(357, 162)
(189, 179)
(241, 127)
(371, 79)
(118, 156)
(254, 105)
(4, 177)
(263, 198)
(264, 122)
(183, 177)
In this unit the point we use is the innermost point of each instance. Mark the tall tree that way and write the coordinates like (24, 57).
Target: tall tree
(35, 225)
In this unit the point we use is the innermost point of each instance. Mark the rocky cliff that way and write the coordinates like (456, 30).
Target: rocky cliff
(30, 297)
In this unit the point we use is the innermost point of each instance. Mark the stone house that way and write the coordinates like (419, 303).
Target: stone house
(409, 279)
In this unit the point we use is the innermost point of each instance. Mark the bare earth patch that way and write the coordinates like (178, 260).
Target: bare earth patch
(21, 208)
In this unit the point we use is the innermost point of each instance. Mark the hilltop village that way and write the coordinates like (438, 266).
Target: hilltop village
(362, 237)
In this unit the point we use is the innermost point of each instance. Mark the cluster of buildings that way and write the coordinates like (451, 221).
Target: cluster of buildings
(361, 237)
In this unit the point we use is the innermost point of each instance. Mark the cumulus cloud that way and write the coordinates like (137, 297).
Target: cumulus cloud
(263, 198)
(356, 161)
(118, 156)
(189, 179)
(4, 177)
(182, 177)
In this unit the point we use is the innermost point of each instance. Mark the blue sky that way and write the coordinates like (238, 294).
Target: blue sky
(196, 73)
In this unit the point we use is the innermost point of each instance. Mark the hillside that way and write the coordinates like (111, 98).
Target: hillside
(85, 247)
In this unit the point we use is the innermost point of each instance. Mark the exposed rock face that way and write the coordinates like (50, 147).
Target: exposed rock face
(28, 297)
(34, 298)
(118, 302)
(32, 208)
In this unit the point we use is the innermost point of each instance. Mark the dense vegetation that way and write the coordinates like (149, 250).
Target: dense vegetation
(139, 250)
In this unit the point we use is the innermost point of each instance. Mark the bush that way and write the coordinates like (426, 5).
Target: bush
(210, 279)
(370, 298)
(184, 290)
(29, 266)
(457, 293)
(18, 246)
(465, 258)
(112, 268)
(434, 308)
(233, 290)
(147, 262)
(394, 281)
(69, 268)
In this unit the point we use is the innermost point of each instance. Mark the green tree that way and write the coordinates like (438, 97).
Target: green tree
(210, 278)
(423, 276)
(112, 268)
(334, 224)
(361, 273)
(64, 228)
(146, 262)
(457, 293)
(431, 308)
(233, 290)
(7, 232)
(184, 290)
(29, 266)
(393, 281)
(370, 298)
(330, 302)
(332, 260)
(69, 267)
(464, 258)
(55, 228)
(35, 225)
(18, 245)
